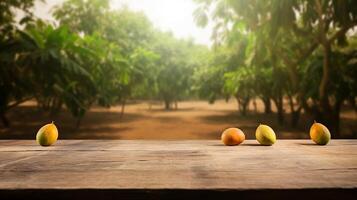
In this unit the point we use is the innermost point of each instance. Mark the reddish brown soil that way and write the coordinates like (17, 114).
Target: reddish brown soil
(192, 120)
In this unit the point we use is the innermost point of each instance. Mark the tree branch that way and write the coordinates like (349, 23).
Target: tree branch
(17, 103)
(308, 51)
(342, 31)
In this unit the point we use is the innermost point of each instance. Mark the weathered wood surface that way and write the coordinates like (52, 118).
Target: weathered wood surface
(198, 164)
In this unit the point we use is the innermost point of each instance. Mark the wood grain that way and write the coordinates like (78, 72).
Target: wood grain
(190, 164)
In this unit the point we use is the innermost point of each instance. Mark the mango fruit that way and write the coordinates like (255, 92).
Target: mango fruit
(265, 135)
(47, 135)
(232, 136)
(320, 134)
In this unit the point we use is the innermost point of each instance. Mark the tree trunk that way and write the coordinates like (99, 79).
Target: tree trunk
(238, 104)
(78, 122)
(4, 120)
(325, 81)
(267, 105)
(280, 109)
(295, 117)
(243, 104)
(150, 106)
(7, 107)
(122, 108)
(244, 110)
(255, 106)
(295, 114)
(281, 114)
(352, 102)
(332, 119)
(336, 118)
(325, 113)
(56, 107)
(176, 105)
(328, 114)
(167, 104)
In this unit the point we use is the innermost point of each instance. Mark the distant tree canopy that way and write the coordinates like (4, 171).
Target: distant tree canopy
(8, 11)
(291, 49)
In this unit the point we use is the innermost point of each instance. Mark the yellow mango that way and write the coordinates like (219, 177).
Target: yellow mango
(47, 135)
(320, 134)
(265, 135)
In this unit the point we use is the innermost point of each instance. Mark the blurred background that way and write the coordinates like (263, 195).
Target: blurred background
(177, 69)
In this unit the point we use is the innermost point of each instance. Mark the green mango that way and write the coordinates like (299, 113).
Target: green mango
(265, 135)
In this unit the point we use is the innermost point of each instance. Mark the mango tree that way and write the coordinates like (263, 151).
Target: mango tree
(56, 60)
(129, 32)
(304, 26)
(15, 85)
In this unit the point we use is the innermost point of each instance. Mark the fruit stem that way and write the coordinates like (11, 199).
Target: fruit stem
(53, 122)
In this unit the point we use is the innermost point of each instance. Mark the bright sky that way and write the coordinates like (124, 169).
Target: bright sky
(168, 15)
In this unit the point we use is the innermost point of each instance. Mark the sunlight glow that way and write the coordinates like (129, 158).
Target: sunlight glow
(168, 15)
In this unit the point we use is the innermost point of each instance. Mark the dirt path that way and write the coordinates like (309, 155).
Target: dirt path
(193, 120)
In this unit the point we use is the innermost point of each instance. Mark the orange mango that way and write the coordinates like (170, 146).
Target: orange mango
(320, 134)
(232, 136)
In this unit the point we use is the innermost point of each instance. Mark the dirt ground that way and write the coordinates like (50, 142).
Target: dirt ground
(192, 120)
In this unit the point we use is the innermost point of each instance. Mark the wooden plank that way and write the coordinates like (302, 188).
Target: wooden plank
(197, 164)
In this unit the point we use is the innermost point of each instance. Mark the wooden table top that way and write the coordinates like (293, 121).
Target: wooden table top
(185, 164)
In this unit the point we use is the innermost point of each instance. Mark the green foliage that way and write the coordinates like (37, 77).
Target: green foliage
(145, 79)
(291, 46)
(14, 87)
(94, 56)
(109, 69)
(174, 68)
(55, 58)
(240, 82)
(82, 15)
(128, 35)
(343, 84)
(8, 11)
